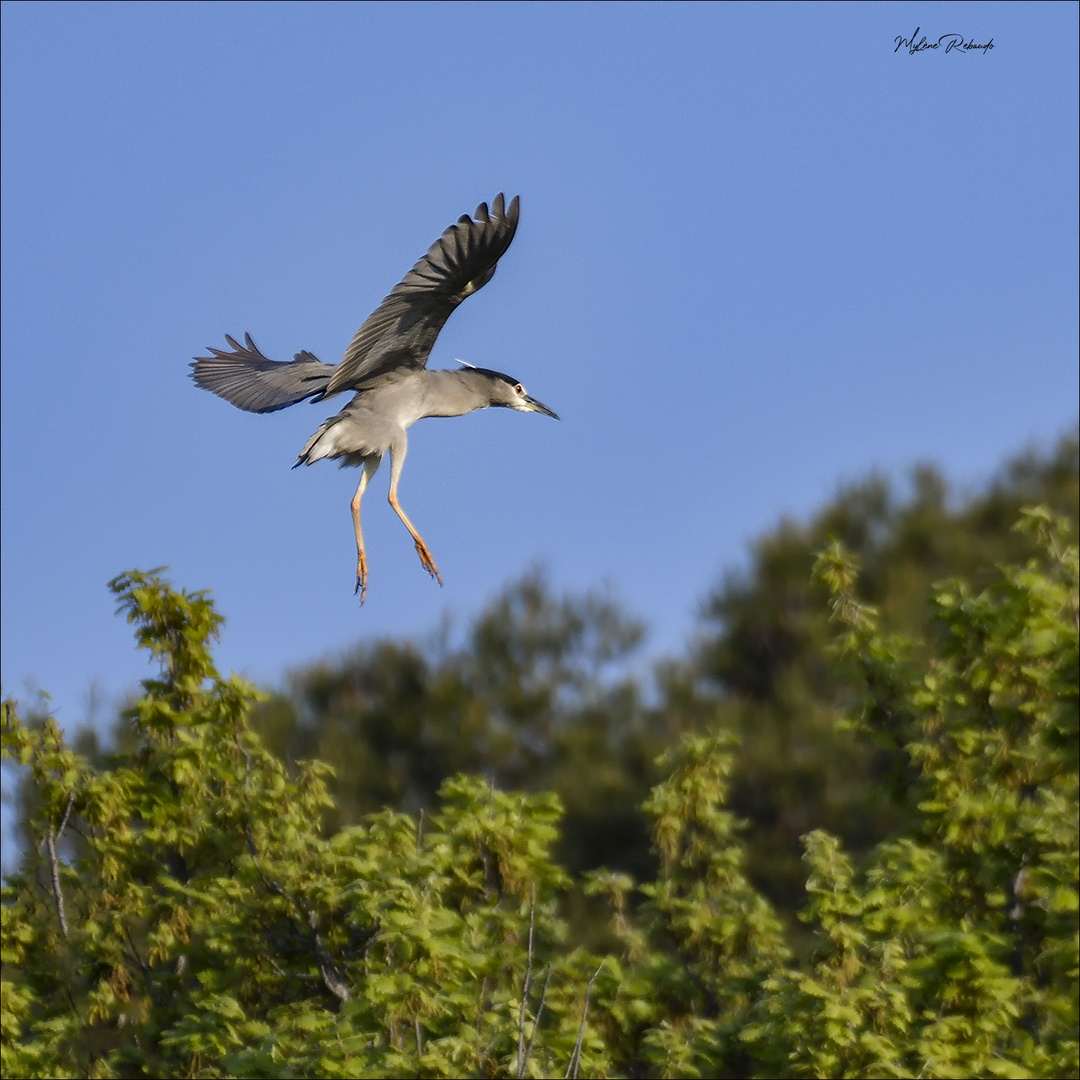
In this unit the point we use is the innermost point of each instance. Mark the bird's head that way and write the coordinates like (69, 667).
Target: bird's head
(507, 392)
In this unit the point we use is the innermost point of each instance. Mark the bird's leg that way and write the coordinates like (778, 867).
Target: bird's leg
(361, 558)
(421, 548)
(397, 459)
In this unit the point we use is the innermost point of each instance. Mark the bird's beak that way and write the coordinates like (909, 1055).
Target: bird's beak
(540, 407)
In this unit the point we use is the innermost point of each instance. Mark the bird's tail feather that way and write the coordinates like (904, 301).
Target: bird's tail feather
(247, 379)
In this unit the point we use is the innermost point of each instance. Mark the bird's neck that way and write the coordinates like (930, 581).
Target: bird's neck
(454, 393)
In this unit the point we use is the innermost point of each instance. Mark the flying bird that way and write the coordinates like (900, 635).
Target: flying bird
(385, 368)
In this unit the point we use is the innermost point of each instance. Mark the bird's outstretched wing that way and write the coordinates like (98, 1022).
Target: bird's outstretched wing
(247, 379)
(402, 330)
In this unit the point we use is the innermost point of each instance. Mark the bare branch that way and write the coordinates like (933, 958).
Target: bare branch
(279, 970)
(269, 882)
(67, 814)
(536, 1022)
(326, 968)
(58, 894)
(520, 1070)
(330, 979)
(54, 865)
(575, 1057)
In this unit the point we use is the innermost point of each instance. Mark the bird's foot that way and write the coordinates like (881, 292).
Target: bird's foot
(361, 579)
(427, 561)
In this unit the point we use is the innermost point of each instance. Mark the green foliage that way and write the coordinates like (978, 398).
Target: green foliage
(765, 660)
(184, 911)
(955, 954)
(537, 698)
(182, 914)
(543, 693)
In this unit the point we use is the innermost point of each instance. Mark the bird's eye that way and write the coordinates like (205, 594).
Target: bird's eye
(519, 389)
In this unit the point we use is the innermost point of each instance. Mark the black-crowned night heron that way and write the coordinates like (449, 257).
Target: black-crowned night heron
(385, 366)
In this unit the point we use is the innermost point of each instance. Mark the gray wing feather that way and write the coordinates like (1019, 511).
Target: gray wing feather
(247, 379)
(402, 330)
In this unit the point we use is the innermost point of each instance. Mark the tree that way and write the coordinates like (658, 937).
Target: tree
(764, 655)
(539, 696)
(183, 913)
(956, 952)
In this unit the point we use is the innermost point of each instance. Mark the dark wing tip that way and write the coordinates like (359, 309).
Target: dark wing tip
(498, 210)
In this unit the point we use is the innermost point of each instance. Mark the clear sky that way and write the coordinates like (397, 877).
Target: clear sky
(761, 252)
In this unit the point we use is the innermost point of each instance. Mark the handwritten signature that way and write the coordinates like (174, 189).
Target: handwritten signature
(948, 42)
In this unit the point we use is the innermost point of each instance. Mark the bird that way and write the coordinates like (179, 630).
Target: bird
(385, 368)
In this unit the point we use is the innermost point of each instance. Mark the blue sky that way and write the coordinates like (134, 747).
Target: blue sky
(761, 253)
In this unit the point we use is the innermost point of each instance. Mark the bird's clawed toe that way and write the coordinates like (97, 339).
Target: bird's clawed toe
(427, 561)
(361, 578)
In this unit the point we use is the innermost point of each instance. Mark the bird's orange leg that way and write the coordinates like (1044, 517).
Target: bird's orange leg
(361, 558)
(398, 448)
(421, 548)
